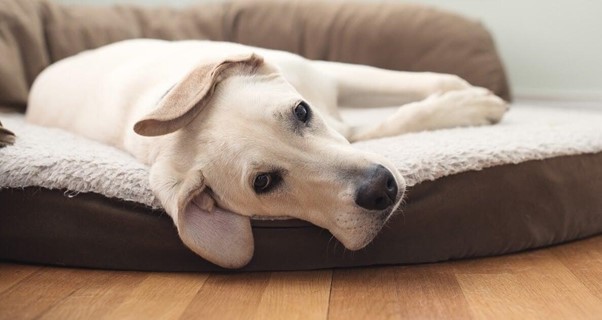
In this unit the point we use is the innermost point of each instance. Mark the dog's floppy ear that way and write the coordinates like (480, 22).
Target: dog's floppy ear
(188, 97)
(218, 235)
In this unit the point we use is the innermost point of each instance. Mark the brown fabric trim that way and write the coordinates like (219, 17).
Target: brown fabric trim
(499, 210)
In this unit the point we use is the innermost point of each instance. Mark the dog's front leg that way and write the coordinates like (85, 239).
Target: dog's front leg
(469, 107)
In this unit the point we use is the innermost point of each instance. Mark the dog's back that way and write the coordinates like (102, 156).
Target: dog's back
(94, 92)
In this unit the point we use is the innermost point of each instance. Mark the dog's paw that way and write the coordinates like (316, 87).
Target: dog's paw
(469, 107)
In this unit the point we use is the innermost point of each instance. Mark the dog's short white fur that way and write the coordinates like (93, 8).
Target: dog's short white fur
(232, 131)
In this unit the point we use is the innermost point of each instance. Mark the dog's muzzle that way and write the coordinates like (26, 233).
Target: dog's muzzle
(378, 189)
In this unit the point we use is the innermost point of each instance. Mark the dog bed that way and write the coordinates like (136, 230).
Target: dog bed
(532, 180)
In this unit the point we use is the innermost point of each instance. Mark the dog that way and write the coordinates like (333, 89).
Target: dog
(232, 131)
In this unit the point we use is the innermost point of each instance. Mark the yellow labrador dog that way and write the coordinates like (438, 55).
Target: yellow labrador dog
(232, 131)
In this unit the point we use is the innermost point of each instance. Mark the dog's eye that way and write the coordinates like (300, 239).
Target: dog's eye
(302, 112)
(262, 182)
(265, 182)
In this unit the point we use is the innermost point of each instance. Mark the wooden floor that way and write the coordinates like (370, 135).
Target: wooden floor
(563, 282)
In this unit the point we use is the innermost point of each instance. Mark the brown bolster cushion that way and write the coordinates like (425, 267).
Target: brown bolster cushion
(398, 36)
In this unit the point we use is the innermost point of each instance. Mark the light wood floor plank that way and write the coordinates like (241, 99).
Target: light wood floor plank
(584, 259)
(102, 293)
(160, 296)
(11, 274)
(228, 296)
(519, 262)
(426, 293)
(364, 294)
(32, 296)
(545, 289)
(296, 295)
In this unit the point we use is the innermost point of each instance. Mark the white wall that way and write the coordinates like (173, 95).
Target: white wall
(551, 48)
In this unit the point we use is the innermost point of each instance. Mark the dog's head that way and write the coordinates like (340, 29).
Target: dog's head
(242, 142)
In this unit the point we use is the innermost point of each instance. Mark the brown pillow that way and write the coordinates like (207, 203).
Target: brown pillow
(397, 36)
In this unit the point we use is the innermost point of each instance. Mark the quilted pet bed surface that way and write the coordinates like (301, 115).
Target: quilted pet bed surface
(55, 159)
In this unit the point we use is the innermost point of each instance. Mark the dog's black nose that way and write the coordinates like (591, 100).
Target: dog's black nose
(378, 190)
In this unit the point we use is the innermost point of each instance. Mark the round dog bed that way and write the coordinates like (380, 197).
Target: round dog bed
(533, 180)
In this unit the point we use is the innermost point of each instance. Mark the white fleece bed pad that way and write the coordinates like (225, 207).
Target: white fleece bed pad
(56, 159)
